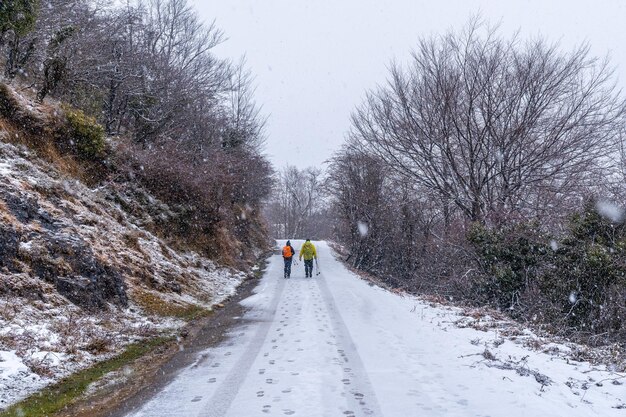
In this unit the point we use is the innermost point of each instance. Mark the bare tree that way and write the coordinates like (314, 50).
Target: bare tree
(362, 198)
(384, 221)
(494, 126)
(245, 127)
(182, 120)
(297, 204)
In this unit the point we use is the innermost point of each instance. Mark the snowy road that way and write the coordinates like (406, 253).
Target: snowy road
(335, 346)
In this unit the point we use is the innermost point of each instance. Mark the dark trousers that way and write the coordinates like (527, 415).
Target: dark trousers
(308, 267)
(288, 267)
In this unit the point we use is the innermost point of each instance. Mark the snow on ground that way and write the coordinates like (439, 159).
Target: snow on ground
(338, 345)
(55, 226)
(43, 342)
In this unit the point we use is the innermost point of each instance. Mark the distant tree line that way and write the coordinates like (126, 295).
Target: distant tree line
(482, 171)
(185, 121)
(298, 207)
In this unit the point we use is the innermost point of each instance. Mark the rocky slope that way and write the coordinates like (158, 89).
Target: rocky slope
(81, 277)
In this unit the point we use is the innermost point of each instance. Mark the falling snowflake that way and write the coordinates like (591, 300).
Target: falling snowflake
(363, 228)
(610, 211)
(572, 297)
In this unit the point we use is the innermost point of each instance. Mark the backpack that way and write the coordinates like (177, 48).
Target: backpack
(287, 252)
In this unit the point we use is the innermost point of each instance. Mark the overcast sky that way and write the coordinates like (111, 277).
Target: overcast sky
(314, 59)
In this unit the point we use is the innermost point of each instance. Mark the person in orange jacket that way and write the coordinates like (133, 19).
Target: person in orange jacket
(288, 254)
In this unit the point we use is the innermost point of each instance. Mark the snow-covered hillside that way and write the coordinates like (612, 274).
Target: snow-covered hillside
(80, 277)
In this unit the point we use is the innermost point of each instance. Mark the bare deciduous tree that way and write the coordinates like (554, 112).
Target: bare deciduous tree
(494, 126)
(182, 120)
(297, 207)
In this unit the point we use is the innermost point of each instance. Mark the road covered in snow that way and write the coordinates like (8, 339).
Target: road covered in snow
(335, 345)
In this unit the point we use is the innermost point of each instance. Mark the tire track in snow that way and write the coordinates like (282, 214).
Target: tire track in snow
(362, 396)
(223, 397)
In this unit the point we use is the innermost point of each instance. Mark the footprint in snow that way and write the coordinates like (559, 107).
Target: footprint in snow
(260, 393)
(289, 412)
(212, 380)
(261, 371)
(215, 365)
(196, 399)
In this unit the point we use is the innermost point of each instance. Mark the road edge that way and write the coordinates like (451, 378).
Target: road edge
(119, 392)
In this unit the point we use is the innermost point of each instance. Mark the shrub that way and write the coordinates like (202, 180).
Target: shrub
(587, 274)
(85, 134)
(576, 285)
(19, 16)
(510, 258)
(206, 189)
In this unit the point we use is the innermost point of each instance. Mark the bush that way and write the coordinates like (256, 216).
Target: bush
(510, 258)
(586, 274)
(85, 134)
(208, 190)
(577, 285)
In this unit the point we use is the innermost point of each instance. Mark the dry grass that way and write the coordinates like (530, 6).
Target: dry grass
(131, 239)
(152, 304)
(167, 253)
(8, 218)
(99, 345)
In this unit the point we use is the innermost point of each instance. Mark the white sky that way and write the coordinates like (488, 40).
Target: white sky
(314, 59)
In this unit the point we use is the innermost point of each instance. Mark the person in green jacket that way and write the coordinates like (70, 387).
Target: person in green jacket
(308, 252)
